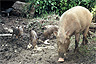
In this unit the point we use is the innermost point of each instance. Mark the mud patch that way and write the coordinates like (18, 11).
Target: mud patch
(14, 51)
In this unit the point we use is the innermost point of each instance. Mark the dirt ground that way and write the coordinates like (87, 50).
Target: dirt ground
(15, 51)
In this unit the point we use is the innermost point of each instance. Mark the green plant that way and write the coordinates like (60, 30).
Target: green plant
(59, 6)
(94, 13)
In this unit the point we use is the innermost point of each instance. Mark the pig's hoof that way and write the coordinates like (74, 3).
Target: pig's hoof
(61, 60)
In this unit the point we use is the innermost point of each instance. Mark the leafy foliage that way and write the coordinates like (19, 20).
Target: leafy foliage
(59, 6)
(94, 13)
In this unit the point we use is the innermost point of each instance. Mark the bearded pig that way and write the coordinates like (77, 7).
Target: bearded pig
(33, 38)
(50, 30)
(72, 22)
(18, 31)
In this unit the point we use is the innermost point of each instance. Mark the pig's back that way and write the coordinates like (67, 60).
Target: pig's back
(83, 15)
(80, 13)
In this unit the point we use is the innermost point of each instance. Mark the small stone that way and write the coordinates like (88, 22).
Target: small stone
(29, 46)
(6, 45)
(10, 30)
(15, 50)
(2, 44)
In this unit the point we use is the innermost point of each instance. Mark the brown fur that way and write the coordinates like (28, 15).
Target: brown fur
(73, 22)
(17, 31)
(33, 38)
(49, 31)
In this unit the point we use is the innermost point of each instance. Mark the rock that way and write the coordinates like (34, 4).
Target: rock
(23, 8)
(19, 5)
(15, 51)
(10, 30)
(29, 46)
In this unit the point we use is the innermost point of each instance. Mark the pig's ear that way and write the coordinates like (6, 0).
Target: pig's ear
(55, 33)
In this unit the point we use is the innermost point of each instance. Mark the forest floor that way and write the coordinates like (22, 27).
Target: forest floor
(15, 51)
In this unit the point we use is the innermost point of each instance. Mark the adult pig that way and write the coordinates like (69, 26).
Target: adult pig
(72, 22)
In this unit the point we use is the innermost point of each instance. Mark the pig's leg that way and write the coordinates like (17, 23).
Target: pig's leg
(85, 41)
(77, 38)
